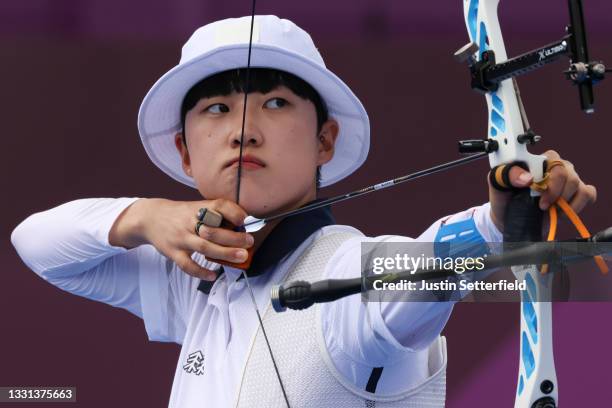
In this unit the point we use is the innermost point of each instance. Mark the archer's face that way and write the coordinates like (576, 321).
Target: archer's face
(282, 149)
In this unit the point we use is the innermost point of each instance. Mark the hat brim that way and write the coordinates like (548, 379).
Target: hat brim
(159, 115)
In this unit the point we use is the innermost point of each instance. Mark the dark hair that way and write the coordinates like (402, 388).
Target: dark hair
(261, 80)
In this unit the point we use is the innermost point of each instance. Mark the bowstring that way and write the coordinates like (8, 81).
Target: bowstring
(239, 175)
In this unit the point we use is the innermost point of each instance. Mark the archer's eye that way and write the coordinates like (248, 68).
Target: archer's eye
(217, 108)
(276, 103)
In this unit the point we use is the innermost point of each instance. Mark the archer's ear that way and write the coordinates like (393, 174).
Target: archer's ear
(327, 141)
(182, 150)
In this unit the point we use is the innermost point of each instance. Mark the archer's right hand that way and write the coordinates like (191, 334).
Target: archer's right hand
(170, 227)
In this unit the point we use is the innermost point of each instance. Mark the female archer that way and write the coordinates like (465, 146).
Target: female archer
(279, 127)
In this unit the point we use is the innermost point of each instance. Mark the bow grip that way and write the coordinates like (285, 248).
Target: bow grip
(216, 220)
(523, 217)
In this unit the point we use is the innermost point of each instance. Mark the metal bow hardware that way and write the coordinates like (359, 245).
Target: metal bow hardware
(509, 134)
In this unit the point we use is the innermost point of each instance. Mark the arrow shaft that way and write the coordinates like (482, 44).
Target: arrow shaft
(366, 190)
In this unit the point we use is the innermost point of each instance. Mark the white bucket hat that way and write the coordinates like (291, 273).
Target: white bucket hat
(277, 44)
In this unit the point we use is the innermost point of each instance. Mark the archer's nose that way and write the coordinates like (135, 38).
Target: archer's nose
(249, 139)
(248, 131)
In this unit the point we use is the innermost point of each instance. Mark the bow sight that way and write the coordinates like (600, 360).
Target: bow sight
(487, 74)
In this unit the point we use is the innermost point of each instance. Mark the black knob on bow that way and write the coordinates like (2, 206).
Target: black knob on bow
(478, 146)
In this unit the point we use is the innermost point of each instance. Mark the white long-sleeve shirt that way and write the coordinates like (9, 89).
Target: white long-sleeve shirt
(68, 246)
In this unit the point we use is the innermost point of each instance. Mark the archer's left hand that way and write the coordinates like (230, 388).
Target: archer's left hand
(563, 182)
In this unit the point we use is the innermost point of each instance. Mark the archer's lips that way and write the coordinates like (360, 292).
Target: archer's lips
(248, 162)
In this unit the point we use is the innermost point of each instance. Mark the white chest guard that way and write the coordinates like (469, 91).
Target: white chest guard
(308, 373)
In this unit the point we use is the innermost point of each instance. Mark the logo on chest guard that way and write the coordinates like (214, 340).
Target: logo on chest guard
(195, 363)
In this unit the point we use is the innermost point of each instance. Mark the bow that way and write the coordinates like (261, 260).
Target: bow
(510, 134)
(537, 380)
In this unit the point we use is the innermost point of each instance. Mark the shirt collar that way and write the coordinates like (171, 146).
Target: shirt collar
(284, 238)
